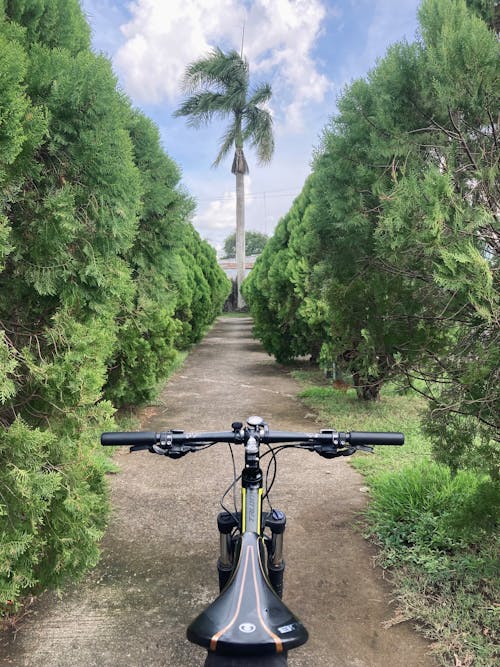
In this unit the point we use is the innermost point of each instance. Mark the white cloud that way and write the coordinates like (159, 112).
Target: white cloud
(216, 219)
(162, 38)
(280, 35)
(218, 215)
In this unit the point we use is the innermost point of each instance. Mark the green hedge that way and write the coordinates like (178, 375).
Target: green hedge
(102, 280)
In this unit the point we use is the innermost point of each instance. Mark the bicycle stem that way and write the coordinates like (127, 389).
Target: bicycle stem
(251, 488)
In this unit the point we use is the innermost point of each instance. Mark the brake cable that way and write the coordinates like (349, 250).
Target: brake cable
(231, 486)
(234, 478)
(275, 471)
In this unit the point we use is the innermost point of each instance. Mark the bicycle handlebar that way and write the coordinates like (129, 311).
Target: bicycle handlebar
(129, 438)
(147, 439)
(376, 438)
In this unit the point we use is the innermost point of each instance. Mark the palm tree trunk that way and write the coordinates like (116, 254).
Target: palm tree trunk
(240, 235)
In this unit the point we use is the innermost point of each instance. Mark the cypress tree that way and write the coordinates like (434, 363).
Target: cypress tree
(71, 197)
(402, 237)
(98, 259)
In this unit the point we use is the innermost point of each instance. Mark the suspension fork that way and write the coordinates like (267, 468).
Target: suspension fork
(226, 523)
(252, 519)
(248, 520)
(275, 521)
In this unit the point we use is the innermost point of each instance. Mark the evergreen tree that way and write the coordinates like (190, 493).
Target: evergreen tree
(147, 327)
(93, 227)
(55, 23)
(206, 290)
(71, 193)
(445, 216)
(403, 237)
(289, 318)
(254, 243)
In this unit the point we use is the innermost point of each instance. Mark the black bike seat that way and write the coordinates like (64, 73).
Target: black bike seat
(248, 618)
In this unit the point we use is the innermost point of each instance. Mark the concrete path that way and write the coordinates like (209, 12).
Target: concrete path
(158, 565)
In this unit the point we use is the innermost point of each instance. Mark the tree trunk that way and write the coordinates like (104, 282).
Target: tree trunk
(240, 235)
(367, 389)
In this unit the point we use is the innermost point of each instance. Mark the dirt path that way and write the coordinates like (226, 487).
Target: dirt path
(158, 565)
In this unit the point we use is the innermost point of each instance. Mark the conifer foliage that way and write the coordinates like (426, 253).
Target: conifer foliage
(399, 236)
(102, 279)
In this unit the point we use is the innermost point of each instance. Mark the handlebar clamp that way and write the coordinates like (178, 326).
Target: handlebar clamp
(335, 447)
(164, 445)
(168, 447)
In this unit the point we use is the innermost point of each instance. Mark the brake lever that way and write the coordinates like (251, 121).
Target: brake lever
(364, 448)
(159, 449)
(173, 451)
(329, 452)
(139, 448)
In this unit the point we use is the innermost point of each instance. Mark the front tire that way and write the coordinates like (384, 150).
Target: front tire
(214, 660)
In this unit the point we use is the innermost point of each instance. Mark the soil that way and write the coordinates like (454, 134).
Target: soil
(158, 556)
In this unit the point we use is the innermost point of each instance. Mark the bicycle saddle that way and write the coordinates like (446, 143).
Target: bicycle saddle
(247, 618)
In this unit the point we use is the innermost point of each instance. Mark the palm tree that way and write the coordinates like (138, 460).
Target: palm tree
(218, 86)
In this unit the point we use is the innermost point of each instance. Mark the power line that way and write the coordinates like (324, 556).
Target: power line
(254, 195)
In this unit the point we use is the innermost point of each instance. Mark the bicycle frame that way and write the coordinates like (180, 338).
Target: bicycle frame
(249, 619)
(252, 518)
(248, 623)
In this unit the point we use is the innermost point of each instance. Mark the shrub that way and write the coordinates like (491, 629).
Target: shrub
(438, 530)
(52, 508)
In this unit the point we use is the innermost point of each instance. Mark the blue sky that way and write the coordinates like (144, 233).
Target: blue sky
(308, 50)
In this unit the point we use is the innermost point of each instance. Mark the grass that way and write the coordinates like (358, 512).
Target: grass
(436, 531)
(394, 412)
(236, 313)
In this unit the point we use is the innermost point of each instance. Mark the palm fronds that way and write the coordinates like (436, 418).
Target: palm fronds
(260, 95)
(218, 86)
(217, 69)
(258, 129)
(228, 143)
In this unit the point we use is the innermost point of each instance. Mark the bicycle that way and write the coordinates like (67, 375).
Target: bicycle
(248, 623)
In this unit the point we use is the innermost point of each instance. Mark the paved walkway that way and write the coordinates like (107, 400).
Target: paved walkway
(158, 565)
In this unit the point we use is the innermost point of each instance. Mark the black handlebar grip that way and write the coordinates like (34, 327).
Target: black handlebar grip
(128, 439)
(368, 438)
